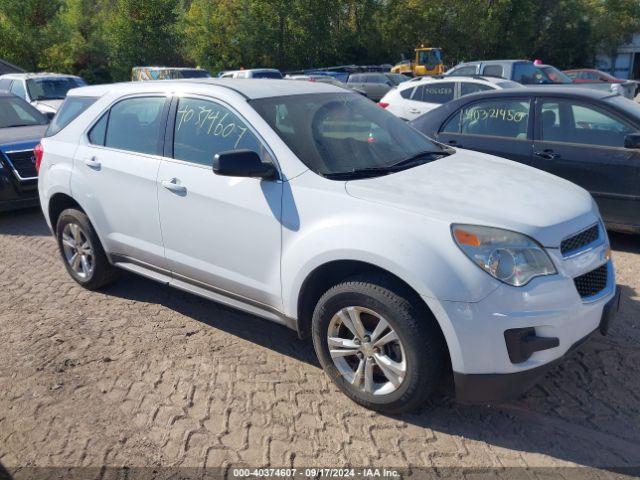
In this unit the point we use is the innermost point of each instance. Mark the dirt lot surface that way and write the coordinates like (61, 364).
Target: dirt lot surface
(141, 374)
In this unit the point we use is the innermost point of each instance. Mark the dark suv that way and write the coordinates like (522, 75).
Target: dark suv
(21, 128)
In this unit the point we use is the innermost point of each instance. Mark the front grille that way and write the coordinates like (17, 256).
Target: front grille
(23, 163)
(580, 240)
(593, 282)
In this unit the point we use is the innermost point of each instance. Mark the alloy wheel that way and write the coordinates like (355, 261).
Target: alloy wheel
(366, 350)
(78, 250)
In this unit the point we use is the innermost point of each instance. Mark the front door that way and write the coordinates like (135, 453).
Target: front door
(584, 143)
(115, 174)
(499, 126)
(221, 233)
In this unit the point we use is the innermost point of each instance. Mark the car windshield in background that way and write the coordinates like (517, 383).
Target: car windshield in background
(15, 112)
(555, 75)
(195, 73)
(338, 134)
(396, 78)
(51, 88)
(267, 74)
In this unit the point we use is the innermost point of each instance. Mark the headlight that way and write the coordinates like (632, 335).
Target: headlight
(510, 257)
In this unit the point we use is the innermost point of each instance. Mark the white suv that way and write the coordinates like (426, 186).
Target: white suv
(312, 207)
(420, 95)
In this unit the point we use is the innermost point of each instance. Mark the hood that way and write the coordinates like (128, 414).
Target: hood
(21, 134)
(475, 188)
(48, 105)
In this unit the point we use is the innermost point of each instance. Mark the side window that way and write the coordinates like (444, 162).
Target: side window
(97, 133)
(492, 70)
(435, 93)
(134, 125)
(204, 128)
(406, 93)
(467, 88)
(583, 124)
(464, 71)
(497, 118)
(17, 88)
(5, 83)
(453, 124)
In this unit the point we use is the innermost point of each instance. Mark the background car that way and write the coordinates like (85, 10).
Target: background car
(166, 73)
(374, 84)
(21, 128)
(527, 73)
(590, 75)
(414, 98)
(324, 79)
(45, 91)
(253, 73)
(588, 137)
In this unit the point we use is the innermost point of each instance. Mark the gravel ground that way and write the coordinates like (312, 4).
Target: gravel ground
(144, 375)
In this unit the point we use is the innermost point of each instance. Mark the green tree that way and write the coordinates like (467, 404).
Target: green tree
(23, 30)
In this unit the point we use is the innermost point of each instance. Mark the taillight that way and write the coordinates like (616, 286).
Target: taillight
(383, 104)
(38, 152)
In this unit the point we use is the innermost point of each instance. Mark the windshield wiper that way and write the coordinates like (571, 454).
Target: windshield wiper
(412, 161)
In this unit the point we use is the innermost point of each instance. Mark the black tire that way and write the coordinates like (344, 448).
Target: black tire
(417, 330)
(102, 272)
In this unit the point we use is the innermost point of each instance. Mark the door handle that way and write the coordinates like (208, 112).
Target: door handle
(92, 163)
(415, 111)
(173, 186)
(547, 154)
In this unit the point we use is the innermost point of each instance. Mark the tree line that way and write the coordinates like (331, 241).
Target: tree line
(102, 39)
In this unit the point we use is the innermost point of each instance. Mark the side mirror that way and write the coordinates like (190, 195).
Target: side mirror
(242, 163)
(632, 140)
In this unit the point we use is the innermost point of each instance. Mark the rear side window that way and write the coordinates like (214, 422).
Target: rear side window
(17, 88)
(406, 93)
(69, 111)
(134, 125)
(436, 93)
(99, 130)
(5, 83)
(497, 118)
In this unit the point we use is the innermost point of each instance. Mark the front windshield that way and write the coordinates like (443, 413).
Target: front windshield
(555, 75)
(430, 58)
(51, 88)
(335, 133)
(15, 112)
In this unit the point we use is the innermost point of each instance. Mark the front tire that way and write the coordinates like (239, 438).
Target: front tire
(381, 348)
(81, 250)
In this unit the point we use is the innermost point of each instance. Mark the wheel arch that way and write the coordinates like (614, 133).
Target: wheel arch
(58, 203)
(329, 274)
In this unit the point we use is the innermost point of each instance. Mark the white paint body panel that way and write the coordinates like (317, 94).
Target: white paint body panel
(258, 240)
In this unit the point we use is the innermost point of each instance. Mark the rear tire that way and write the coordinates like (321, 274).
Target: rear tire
(392, 377)
(82, 252)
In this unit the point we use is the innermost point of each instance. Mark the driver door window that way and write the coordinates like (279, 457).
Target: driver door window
(204, 128)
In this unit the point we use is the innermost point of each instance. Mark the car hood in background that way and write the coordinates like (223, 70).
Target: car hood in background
(475, 188)
(21, 134)
(48, 105)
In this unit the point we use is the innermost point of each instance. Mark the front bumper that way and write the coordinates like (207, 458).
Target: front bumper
(498, 388)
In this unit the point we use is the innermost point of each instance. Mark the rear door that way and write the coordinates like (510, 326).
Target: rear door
(584, 143)
(499, 126)
(115, 174)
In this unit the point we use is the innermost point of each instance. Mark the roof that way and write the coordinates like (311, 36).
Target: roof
(248, 88)
(495, 61)
(38, 75)
(457, 78)
(166, 68)
(549, 90)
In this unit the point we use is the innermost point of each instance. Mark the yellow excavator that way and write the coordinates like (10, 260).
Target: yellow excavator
(428, 62)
